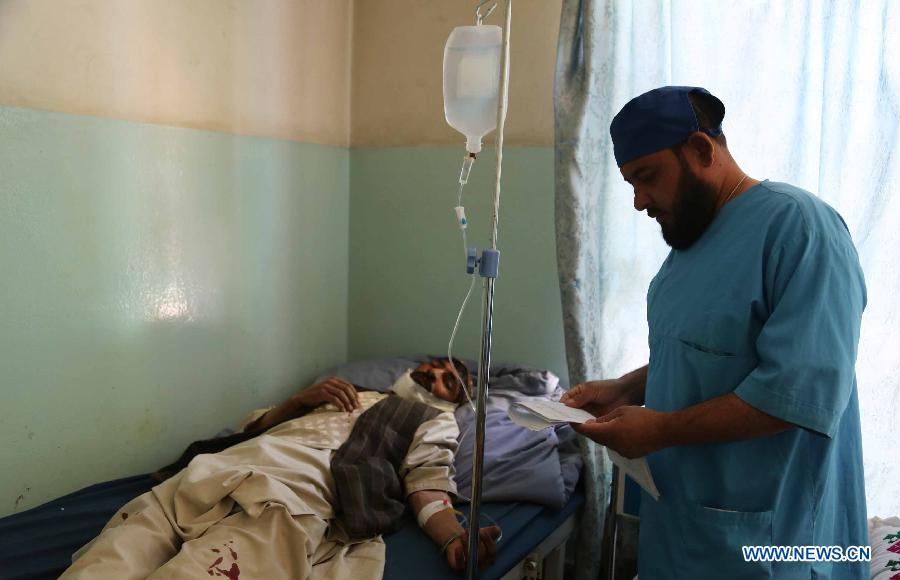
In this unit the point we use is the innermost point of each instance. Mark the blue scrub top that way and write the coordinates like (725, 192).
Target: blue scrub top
(766, 305)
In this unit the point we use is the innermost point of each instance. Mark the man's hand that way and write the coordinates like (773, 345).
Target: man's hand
(458, 549)
(332, 390)
(630, 431)
(443, 525)
(598, 397)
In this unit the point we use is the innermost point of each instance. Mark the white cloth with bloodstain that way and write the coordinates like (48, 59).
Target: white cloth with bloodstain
(268, 496)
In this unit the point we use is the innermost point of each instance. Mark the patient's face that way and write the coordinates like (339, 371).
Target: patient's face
(437, 376)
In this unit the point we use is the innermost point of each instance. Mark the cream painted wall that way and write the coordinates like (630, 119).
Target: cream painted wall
(274, 68)
(398, 48)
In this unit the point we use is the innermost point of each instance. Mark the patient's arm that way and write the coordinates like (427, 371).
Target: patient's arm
(427, 473)
(333, 390)
(443, 525)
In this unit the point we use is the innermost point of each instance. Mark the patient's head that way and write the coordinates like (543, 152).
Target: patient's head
(437, 377)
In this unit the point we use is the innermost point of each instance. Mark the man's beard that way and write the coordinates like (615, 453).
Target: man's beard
(693, 211)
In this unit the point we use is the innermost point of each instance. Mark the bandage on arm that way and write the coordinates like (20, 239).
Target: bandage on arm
(430, 509)
(440, 523)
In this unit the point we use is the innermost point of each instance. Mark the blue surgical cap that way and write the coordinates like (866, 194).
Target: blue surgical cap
(657, 120)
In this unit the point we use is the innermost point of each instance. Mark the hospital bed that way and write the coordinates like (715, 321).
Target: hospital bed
(39, 543)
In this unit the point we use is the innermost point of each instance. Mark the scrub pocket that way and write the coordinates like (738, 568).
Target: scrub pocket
(716, 331)
(713, 539)
(708, 371)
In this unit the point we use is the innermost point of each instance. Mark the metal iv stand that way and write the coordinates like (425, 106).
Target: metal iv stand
(488, 267)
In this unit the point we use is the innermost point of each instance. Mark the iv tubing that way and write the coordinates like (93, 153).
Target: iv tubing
(463, 179)
(501, 122)
(453, 337)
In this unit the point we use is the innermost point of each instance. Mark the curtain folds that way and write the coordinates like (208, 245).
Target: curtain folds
(580, 106)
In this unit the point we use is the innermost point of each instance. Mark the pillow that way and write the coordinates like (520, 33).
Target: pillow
(376, 374)
(519, 465)
(528, 381)
(884, 537)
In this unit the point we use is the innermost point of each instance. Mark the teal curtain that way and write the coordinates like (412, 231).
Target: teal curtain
(812, 96)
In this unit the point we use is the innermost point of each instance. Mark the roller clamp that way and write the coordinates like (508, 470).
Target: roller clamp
(471, 260)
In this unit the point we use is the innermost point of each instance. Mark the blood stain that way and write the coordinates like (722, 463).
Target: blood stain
(234, 573)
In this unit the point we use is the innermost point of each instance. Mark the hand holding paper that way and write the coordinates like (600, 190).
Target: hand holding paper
(632, 431)
(536, 415)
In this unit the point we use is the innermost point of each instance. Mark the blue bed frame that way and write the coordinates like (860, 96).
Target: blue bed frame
(39, 543)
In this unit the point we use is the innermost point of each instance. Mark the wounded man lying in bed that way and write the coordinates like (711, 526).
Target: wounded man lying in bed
(332, 469)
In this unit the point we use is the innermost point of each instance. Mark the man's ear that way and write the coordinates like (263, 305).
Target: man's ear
(702, 148)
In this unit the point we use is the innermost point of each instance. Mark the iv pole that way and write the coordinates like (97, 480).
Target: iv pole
(488, 267)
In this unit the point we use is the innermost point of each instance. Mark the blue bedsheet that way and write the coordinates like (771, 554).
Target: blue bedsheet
(39, 543)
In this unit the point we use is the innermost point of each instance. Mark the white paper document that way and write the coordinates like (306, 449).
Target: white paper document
(537, 415)
(543, 414)
(637, 469)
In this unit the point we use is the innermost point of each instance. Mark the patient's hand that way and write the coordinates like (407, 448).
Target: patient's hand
(332, 390)
(487, 549)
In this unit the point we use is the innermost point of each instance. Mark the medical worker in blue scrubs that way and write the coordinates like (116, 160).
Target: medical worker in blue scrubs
(750, 420)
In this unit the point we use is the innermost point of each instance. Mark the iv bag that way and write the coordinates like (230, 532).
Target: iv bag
(472, 59)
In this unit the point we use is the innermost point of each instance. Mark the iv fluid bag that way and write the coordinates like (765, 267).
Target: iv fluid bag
(471, 81)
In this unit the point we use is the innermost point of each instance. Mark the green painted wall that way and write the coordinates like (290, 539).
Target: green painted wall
(407, 276)
(158, 282)
(155, 284)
